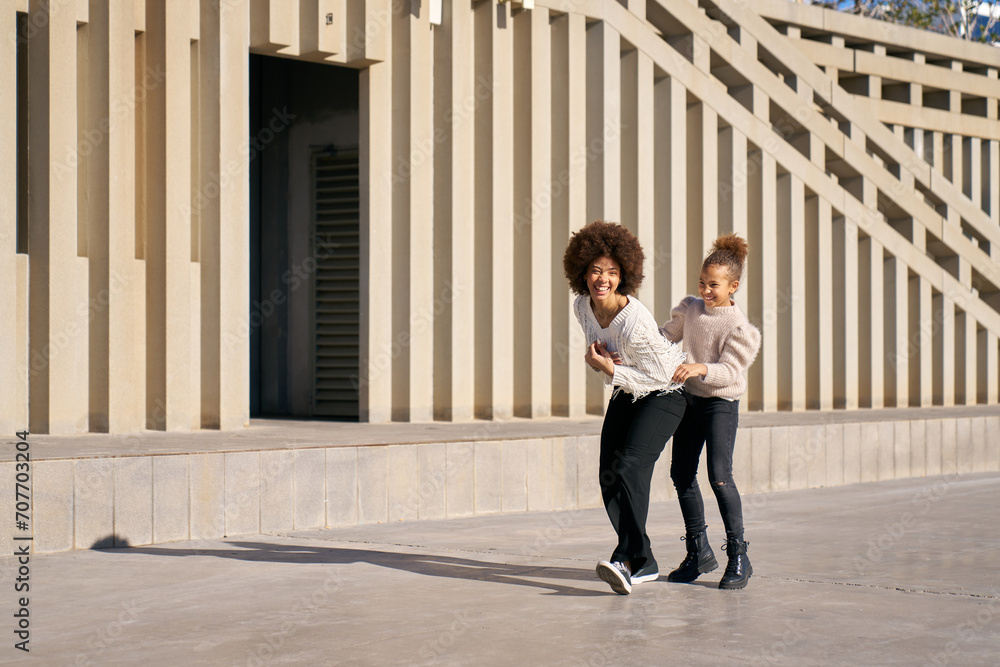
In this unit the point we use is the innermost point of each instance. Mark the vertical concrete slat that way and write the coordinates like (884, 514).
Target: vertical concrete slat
(769, 362)
(168, 221)
(671, 199)
(798, 301)
(973, 162)
(502, 252)
(448, 193)
(376, 239)
(485, 19)
(541, 222)
(793, 302)
(971, 360)
(986, 348)
(629, 106)
(569, 204)
(726, 169)
(220, 205)
(925, 337)
(108, 141)
(944, 307)
(693, 164)
(58, 334)
(870, 322)
(604, 148)
(824, 233)
(645, 180)
(709, 186)
(465, 97)
(896, 330)
(739, 225)
(606, 126)
(13, 360)
(846, 338)
(401, 171)
(877, 313)
(524, 209)
(421, 221)
(579, 374)
(991, 184)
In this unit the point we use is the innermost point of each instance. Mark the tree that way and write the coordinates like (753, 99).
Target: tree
(973, 20)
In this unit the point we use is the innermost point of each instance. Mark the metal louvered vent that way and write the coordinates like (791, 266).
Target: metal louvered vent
(336, 216)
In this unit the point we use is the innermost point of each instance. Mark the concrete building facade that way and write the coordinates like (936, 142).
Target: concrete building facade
(218, 208)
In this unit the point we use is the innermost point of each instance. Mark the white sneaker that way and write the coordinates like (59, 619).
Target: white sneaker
(648, 573)
(617, 575)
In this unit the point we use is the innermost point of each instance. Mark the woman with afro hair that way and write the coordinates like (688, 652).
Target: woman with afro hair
(603, 263)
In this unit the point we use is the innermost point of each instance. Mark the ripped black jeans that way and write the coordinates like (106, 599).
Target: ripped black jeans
(712, 422)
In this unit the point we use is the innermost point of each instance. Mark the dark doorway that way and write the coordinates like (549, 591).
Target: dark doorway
(304, 226)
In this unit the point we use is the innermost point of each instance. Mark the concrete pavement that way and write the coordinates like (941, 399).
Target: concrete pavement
(900, 572)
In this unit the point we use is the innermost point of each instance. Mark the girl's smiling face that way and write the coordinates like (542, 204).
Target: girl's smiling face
(603, 278)
(715, 287)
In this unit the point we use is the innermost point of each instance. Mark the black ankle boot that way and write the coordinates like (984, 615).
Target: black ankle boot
(738, 570)
(699, 559)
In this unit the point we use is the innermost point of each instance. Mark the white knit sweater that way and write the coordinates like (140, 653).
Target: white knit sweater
(722, 338)
(648, 360)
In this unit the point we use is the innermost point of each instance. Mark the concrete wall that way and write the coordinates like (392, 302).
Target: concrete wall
(485, 141)
(86, 502)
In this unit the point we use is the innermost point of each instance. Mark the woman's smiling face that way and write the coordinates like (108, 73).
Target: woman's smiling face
(603, 278)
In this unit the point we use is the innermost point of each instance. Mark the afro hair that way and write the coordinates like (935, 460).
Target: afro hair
(604, 239)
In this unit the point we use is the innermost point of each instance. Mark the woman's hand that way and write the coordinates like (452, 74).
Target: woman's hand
(685, 371)
(600, 359)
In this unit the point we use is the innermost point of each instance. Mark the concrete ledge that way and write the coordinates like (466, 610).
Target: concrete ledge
(159, 497)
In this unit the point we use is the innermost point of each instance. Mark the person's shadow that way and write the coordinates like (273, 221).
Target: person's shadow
(432, 565)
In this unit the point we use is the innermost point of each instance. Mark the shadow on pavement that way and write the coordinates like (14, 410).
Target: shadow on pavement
(433, 565)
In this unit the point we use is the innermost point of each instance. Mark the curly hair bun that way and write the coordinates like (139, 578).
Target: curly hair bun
(732, 243)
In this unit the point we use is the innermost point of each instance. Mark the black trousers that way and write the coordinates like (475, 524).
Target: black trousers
(633, 437)
(712, 422)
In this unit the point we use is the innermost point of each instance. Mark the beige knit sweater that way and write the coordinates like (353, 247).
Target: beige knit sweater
(722, 338)
(648, 360)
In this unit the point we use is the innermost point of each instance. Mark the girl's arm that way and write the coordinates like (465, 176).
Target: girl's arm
(654, 361)
(738, 352)
(674, 329)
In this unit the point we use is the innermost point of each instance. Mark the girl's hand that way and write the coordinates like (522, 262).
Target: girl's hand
(685, 371)
(600, 359)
